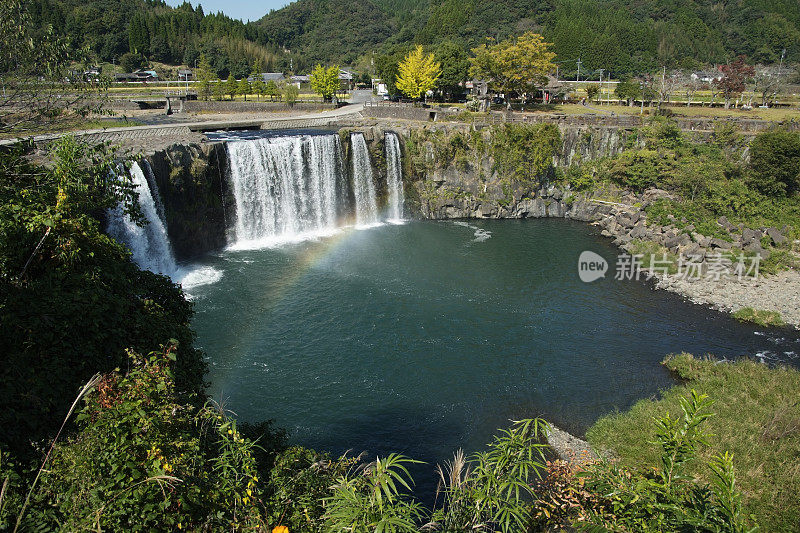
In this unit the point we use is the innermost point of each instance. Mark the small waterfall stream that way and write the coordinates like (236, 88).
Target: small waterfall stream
(394, 176)
(363, 184)
(149, 245)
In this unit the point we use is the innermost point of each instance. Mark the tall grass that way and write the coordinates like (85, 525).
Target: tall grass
(757, 420)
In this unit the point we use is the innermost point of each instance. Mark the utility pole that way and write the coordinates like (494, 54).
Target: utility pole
(578, 75)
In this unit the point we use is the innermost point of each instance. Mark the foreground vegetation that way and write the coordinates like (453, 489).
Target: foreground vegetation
(757, 420)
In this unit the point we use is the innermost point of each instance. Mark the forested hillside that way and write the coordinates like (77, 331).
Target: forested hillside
(620, 36)
(154, 31)
(617, 35)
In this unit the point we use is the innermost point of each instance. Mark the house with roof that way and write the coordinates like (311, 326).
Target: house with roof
(137, 75)
(267, 77)
(347, 79)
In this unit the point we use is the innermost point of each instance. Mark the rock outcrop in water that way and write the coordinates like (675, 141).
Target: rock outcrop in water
(195, 192)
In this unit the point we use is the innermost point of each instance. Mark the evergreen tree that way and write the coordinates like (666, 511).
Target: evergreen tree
(231, 87)
(204, 75)
(244, 88)
(259, 87)
(219, 89)
(271, 89)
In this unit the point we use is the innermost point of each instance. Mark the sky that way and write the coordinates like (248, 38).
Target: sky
(238, 9)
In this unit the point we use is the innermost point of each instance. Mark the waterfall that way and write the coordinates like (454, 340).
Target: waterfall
(363, 185)
(149, 245)
(285, 187)
(394, 176)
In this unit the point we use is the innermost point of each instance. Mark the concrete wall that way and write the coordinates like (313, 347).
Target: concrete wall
(196, 106)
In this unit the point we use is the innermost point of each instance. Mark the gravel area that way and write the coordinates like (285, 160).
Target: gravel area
(779, 292)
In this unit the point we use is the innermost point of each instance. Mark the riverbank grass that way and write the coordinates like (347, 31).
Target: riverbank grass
(756, 417)
(759, 316)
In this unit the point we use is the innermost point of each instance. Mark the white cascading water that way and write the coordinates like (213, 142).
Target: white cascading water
(286, 188)
(394, 176)
(149, 245)
(363, 185)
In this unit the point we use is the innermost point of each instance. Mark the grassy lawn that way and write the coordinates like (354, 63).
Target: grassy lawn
(757, 418)
(775, 114)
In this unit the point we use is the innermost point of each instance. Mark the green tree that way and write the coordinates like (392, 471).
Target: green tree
(271, 90)
(592, 90)
(259, 87)
(219, 89)
(775, 162)
(628, 90)
(204, 75)
(132, 61)
(386, 67)
(455, 68)
(34, 64)
(244, 88)
(418, 73)
(290, 93)
(517, 65)
(231, 87)
(325, 81)
(138, 35)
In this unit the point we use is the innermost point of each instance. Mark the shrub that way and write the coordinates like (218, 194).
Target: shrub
(370, 498)
(775, 162)
(639, 169)
(757, 419)
(299, 480)
(147, 456)
(666, 497)
(525, 152)
(494, 489)
(71, 300)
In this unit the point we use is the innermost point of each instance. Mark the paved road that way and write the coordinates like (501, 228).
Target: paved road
(135, 132)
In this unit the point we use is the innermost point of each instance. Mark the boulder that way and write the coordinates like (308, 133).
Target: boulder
(776, 236)
(749, 236)
(692, 249)
(721, 244)
(677, 241)
(639, 231)
(726, 224)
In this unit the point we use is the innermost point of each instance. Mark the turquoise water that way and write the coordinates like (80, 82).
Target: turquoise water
(424, 337)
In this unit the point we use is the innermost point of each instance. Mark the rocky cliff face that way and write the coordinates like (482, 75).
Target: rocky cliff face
(192, 182)
(448, 173)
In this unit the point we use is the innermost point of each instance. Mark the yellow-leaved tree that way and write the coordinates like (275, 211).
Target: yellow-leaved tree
(325, 81)
(517, 65)
(417, 73)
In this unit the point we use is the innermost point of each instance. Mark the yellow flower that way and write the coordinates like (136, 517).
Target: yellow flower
(249, 492)
(280, 529)
(230, 432)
